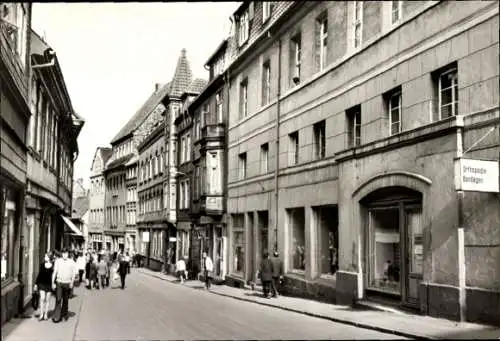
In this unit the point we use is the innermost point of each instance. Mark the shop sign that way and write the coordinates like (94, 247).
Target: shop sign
(214, 203)
(476, 175)
(145, 236)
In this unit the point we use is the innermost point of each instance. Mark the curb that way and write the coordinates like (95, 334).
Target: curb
(333, 319)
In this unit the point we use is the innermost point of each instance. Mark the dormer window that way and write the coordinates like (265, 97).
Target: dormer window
(243, 28)
(266, 10)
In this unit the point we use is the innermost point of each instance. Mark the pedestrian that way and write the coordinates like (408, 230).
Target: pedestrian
(87, 269)
(80, 263)
(266, 274)
(107, 258)
(102, 271)
(127, 259)
(93, 271)
(62, 281)
(92, 268)
(181, 269)
(43, 285)
(277, 273)
(123, 270)
(208, 266)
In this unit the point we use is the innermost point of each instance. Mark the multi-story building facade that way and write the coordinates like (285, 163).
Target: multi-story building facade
(151, 215)
(208, 117)
(52, 150)
(131, 206)
(348, 145)
(96, 198)
(80, 218)
(15, 24)
(115, 195)
(178, 86)
(79, 189)
(184, 159)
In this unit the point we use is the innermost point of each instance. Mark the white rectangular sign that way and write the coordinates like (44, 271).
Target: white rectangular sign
(145, 237)
(476, 175)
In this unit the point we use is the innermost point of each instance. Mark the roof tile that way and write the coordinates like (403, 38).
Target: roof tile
(182, 76)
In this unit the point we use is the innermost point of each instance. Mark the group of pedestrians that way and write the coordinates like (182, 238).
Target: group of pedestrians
(60, 270)
(271, 274)
(100, 269)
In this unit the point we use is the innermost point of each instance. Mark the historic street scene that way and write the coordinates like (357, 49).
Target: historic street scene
(274, 170)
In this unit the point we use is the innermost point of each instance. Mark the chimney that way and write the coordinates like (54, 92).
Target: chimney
(158, 86)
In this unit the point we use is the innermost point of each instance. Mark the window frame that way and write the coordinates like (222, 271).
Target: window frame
(354, 126)
(297, 55)
(266, 11)
(319, 131)
(294, 146)
(236, 229)
(323, 36)
(244, 98)
(266, 82)
(243, 28)
(454, 92)
(358, 24)
(395, 93)
(219, 106)
(242, 166)
(396, 9)
(264, 158)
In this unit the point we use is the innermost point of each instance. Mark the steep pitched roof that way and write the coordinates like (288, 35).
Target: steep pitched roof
(105, 154)
(182, 76)
(197, 85)
(80, 206)
(142, 113)
(119, 162)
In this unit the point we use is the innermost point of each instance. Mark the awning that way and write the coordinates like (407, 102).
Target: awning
(72, 226)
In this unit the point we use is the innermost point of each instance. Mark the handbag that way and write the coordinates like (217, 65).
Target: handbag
(35, 300)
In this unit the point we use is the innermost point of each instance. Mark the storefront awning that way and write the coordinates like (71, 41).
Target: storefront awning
(72, 226)
(184, 225)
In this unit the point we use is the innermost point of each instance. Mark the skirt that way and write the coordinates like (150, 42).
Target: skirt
(45, 287)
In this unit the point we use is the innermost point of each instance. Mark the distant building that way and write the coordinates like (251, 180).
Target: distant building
(206, 117)
(185, 178)
(96, 198)
(79, 189)
(80, 218)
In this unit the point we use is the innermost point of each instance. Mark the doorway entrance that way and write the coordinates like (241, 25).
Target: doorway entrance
(394, 246)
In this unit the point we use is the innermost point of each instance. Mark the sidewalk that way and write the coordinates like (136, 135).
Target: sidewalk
(30, 328)
(406, 325)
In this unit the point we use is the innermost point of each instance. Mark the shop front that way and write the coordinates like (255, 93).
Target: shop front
(393, 244)
(96, 241)
(210, 236)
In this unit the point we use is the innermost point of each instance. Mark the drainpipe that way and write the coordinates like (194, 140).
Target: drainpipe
(460, 230)
(276, 171)
(226, 172)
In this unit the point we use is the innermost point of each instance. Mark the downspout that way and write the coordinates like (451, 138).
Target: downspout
(276, 171)
(226, 172)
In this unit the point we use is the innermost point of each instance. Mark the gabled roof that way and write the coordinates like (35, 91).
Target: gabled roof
(182, 76)
(105, 154)
(80, 207)
(142, 113)
(195, 88)
(119, 162)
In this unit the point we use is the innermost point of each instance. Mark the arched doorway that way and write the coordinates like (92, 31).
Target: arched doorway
(393, 234)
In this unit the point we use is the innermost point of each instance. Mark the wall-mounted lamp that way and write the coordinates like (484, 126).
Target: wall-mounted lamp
(49, 54)
(296, 80)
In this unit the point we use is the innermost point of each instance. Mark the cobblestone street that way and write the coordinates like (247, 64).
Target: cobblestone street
(152, 309)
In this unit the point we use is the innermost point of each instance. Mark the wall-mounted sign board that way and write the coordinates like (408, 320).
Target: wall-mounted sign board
(477, 175)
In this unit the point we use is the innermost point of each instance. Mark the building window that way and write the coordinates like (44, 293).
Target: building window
(266, 82)
(188, 147)
(239, 243)
(319, 139)
(393, 100)
(266, 11)
(295, 58)
(296, 224)
(244, 28)
(354, 126)
(321, 38)
(327, 226)
(186, 195)
(264, 158)
(358, 23)
(14, 18)
(447, 92)
(183, 149)
(396, 11)
(244, 98)
(218, 103)
(293, 148)
(242, 166)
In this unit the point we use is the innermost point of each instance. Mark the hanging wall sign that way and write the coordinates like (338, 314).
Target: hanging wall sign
(476, 175)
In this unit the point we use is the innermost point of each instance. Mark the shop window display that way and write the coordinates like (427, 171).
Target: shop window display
(384, 250)
(238, 243)
(297, 252)
(327, 227)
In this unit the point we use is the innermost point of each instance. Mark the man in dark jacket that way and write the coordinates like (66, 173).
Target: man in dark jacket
(277, 273)
(266, 274)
